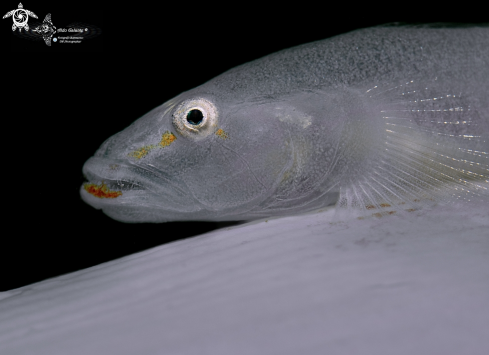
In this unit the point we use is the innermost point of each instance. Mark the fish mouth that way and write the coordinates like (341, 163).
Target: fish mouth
(106, 182)
(110, 189)
(112, 183)
(106, 185)
(102, 175)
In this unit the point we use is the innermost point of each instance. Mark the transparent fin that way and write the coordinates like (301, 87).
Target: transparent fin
(433, 148)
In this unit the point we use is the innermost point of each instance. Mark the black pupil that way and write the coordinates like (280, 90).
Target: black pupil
(194, 117)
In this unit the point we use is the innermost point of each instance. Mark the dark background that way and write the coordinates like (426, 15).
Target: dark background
(57, 108)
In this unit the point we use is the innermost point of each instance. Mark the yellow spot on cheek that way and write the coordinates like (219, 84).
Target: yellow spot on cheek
(141, 152)
(167, 138)
(101, 191)
(222, 134)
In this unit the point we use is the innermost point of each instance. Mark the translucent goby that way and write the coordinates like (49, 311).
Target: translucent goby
(388, 119)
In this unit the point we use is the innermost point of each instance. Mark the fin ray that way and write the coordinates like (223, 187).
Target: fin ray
(434, 148)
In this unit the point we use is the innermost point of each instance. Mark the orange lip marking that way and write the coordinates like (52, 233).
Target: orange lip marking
(101, 191)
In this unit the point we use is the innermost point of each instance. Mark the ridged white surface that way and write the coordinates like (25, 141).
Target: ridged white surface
(297, 285)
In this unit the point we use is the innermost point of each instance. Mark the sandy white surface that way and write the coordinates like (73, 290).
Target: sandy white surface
(297, 285)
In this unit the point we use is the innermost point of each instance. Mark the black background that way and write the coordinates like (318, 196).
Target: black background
(57, 108)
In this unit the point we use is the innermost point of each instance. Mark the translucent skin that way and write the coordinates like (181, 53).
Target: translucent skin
(392, 117)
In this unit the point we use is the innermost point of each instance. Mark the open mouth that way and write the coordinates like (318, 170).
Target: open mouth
(110, 188)
(101, 191)
(107, 181)
(117, 185)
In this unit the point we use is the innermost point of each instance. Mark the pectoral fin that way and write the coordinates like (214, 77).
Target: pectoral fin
(433, 148)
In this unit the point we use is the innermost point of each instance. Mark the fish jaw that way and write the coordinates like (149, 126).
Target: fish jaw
(121, 185)
(115, 188)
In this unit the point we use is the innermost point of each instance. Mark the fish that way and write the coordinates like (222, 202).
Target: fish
(382, 120)
(301, 283)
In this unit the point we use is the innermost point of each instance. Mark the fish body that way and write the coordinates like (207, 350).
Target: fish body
(389, 119)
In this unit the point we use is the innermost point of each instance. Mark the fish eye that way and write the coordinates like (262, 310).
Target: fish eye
(195, 118)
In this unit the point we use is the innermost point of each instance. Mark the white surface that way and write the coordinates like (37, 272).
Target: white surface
(297, 285)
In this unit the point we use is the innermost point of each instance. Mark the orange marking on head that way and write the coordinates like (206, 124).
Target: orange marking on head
(141, 152)
(167, 138)
(222, 134)
(101, 191)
